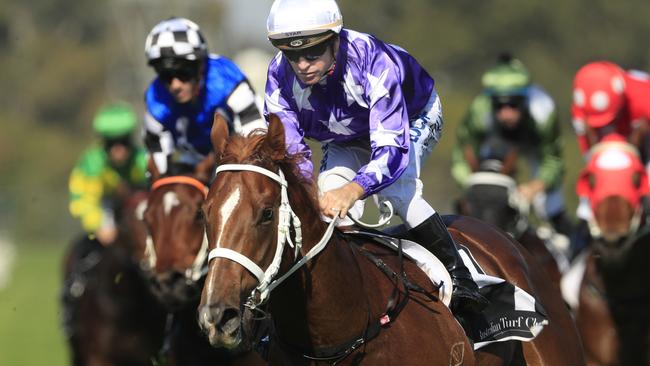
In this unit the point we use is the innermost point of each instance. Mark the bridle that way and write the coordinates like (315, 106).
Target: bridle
(287, 218)
(515, 199)
(199, 267)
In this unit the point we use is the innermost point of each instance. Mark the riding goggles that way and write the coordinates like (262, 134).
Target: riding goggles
(312, 53)
(110, 142)
(185, 71)
(509, 101)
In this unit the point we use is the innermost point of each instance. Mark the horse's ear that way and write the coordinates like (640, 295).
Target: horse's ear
(203, 170)
(219, 134)
(275, 138)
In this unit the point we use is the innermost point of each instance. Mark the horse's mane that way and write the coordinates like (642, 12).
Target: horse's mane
(252, 150)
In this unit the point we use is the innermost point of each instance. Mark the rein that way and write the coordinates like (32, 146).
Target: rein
(394, 306)
(287, 218)
(268, 281)
(199, 266)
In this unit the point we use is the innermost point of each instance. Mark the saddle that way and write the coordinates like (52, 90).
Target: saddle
(512, 313)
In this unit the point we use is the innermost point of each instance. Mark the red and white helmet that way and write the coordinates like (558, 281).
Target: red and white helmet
(614, 169)
(598, 93)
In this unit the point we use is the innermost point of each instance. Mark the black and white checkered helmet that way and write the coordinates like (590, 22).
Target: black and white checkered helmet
(175, 38)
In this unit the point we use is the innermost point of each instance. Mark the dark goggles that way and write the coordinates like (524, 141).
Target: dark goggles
(510, 101)
(110, 142)
(312, 53)
(184, 72)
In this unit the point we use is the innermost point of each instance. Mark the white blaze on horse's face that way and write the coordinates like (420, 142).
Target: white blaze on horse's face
(170, 200)
(226, 211)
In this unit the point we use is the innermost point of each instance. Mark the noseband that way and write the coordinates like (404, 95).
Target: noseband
(198, 269)
(287, 218)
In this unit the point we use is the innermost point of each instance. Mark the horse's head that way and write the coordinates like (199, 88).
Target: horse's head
(491, 191)
(176, 247)
(493, 198)
(614, 180)
(246, 211)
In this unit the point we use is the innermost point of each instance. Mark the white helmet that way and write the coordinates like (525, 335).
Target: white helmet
(178, 38)
(297, 24)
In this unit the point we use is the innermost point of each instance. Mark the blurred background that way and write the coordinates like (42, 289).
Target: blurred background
(61, 60)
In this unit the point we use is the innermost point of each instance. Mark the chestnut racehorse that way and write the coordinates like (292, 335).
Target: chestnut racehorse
(329, 303)
(175, 259)
(115, 319)
(614, 297)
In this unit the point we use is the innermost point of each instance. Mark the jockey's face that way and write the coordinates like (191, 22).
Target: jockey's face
(311, 67)
(508, 111)
(183, 91)
(183, 81)
(119, 151)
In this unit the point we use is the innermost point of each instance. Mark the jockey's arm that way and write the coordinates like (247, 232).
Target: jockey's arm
(549, 148)
(469, 133)
(159, 143)
(87, 191)
(247, 109)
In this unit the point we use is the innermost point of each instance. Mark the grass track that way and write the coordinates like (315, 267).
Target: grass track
(30, 334)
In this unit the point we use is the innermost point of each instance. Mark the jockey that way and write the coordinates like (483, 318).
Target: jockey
(608, 100)
(105, 174)
(103, 177)
(191, 85)
(512, 109)
(377, 115)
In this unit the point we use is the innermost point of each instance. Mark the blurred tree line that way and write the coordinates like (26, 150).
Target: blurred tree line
(62, 59)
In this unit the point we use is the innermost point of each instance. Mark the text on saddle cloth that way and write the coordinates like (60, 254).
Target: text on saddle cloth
(512, 314)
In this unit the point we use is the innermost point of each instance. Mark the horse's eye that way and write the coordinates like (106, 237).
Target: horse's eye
(199, 215)
(267, 214)
(636, 180)
(592, 181)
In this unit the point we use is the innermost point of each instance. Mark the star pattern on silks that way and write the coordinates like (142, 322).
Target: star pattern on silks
(353, 91)
(377, 88)
(302, 96)
(273, 102)
(379, 167)
(354, 35)
(383, 137)
(338, 127)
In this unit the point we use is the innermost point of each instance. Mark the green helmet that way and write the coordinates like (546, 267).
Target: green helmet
(508, 78)
(115, 120)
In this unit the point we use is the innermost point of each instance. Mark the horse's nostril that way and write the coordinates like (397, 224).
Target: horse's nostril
(176, 276)
(229, 321)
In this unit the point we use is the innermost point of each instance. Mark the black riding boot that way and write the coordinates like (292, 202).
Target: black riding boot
(433, 235)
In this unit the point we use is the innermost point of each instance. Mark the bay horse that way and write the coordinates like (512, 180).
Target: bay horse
(614, 296)
(491, 195)
(330, 304)
(111, 317)
(175, 261)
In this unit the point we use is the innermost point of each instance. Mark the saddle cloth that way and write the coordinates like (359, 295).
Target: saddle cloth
(512, 314)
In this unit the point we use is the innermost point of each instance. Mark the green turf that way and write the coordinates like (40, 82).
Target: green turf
(29, 310)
